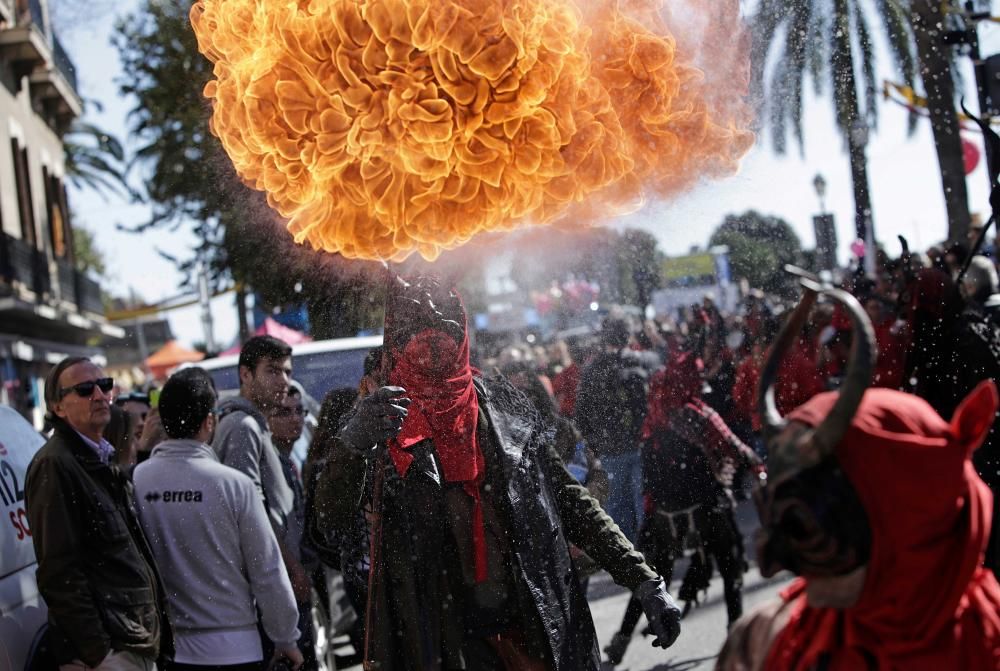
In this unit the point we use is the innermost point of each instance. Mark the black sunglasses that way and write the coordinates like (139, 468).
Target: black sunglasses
(86, 389)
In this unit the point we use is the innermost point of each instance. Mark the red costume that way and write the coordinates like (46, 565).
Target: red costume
(927, 602)
(872, 499)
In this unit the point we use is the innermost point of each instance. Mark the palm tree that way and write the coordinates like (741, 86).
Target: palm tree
(95, 159)
(936, 68)
(829, 38)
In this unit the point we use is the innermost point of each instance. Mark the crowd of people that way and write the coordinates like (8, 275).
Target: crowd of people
(465, 510)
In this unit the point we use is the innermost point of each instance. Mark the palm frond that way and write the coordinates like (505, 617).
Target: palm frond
(763, 30)
(818, 52)
(842, 67)
(796, 49)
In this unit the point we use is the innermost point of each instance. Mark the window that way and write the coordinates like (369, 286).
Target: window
(57, 223)
(23, 181)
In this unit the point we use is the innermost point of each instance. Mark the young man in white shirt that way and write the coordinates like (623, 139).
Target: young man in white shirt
(212, 541)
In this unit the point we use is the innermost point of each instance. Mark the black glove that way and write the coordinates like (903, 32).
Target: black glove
(663, 614)
(377, 419)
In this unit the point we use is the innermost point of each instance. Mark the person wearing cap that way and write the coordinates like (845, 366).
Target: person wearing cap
(96, 571)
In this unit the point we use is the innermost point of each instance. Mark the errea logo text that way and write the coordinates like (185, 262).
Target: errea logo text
(175, 496)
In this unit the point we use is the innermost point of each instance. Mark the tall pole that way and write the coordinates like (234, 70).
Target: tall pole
(982, 77)
(204, 298)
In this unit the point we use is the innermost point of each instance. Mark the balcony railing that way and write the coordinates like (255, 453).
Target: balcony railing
(36, 52)
(19, 262)
(63, 63)
(67, 281)
(88, 294)
(22, 263)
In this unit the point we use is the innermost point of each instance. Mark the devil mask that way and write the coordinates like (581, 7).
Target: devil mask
(812, 520)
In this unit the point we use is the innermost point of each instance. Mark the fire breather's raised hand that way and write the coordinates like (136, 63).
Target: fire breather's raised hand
(663, 614)
(377, 418)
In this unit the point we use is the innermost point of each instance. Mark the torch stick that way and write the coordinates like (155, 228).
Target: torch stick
(378, 483)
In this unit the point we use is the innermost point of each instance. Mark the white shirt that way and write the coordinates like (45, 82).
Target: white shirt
(103, 449)
(217, 648)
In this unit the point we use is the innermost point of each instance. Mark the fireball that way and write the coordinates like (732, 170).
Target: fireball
(379, 128)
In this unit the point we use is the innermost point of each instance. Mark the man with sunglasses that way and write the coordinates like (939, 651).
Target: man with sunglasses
(95, 569)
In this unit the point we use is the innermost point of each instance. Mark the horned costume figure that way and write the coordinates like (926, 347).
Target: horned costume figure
(473, 512)
(872, 500)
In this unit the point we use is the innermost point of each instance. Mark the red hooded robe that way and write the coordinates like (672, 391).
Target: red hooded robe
(927, 603)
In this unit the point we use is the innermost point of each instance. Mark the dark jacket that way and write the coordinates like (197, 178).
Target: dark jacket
(95, 569)
(533, 508)
(611, 400)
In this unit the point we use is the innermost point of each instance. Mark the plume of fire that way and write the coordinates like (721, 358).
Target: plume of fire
(382, 127)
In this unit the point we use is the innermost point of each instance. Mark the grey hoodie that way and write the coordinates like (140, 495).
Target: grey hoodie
(213, 544)
(243, 441)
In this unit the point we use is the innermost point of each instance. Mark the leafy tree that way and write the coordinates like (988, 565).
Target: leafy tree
(88, 256)
(190, 182)
(642, 265)
(828, 39)
(759, 247)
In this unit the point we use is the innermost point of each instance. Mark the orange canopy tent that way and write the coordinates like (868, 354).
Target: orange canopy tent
(169, 357)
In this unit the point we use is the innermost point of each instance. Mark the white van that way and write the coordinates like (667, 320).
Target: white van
(22, 612)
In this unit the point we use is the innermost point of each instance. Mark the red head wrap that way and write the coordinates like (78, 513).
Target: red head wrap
(437, 376)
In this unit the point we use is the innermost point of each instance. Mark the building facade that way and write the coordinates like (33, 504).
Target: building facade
(48, 308)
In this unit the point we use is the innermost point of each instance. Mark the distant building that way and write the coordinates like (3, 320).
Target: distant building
(689, 279)
(48, 309)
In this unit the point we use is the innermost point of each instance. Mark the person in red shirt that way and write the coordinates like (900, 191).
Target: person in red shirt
(565, 383)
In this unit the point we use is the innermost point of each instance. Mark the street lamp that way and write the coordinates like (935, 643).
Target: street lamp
(820, 185)
(823, 225)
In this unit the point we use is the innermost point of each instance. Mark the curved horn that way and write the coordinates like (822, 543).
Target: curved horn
(770, 417)
(859, 376)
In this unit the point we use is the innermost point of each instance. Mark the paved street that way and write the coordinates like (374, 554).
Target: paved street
(703, 633)
(704, 629)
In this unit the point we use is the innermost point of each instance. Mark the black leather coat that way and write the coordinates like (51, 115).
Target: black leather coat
(539, 508)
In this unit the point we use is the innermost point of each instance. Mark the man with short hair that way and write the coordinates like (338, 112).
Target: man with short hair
(212, 538)
(243, 440)
(287, 422)
(95, 569)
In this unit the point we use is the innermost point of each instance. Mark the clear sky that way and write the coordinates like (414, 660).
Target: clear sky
(903, 171)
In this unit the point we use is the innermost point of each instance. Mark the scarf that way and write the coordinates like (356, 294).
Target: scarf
(437, 376)
(927, 603)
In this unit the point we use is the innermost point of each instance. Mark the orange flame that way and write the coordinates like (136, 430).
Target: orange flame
(383, 127)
